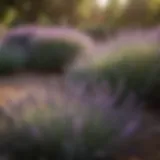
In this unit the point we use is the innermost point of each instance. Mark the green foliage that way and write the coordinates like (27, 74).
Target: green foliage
(75, 12)
(52, 55)
(52, 9)
(12, 59)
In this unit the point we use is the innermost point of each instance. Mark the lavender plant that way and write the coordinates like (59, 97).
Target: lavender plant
(137, 65)
(48, 48)
(72, 131)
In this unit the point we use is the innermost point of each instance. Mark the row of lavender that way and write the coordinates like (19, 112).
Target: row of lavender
(80, 131)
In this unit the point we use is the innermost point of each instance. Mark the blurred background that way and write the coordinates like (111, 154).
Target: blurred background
(114, 14)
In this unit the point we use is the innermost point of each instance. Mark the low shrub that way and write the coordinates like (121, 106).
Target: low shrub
(48, 48)
(137, 66)
(12, 59)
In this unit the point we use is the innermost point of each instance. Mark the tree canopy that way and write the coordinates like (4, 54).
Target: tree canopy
(74, 12)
